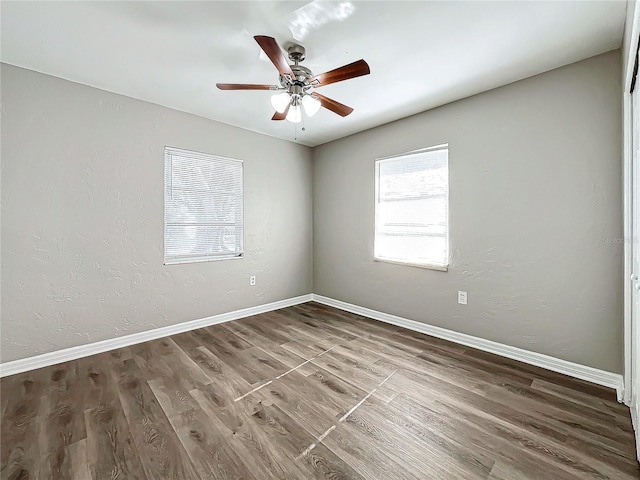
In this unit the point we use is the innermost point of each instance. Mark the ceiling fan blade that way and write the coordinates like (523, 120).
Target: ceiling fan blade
(273, 51)
(281, 116)
(332, 105)
(246, 86)
(353, 70)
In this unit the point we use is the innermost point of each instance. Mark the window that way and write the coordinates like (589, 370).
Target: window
(202, 207)
(412, 208)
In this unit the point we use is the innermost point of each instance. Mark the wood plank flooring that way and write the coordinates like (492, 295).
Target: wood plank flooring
(309, 392)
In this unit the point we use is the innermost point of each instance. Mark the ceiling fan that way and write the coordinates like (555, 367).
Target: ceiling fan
(298, 83)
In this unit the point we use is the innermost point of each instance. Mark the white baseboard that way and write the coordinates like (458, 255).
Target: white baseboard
(73, 353)
(583, 372)
(599, 377)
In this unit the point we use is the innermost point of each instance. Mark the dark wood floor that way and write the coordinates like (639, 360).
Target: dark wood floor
(309, 392)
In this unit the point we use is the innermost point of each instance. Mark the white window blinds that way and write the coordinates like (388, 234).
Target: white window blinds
(412, 208)
(203, 207)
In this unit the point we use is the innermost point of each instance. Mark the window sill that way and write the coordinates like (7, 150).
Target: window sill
(428, 266)
(178, 261)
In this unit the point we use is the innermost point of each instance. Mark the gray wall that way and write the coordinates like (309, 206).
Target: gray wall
(535, 216)
(536, 219)
(82, 217)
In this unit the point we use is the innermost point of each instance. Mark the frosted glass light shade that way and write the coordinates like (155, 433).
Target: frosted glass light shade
(295, 114)
(311, 105)
(280, 101)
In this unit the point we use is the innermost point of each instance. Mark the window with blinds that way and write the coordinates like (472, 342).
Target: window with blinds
(412, 208)
(203, 207)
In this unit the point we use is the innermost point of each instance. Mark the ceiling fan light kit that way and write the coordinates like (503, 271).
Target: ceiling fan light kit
(280, 101)
(311, 105)
(297, 83)
(294, 115)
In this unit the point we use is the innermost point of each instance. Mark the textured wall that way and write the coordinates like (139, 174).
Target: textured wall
(535, 216)
(82, 217)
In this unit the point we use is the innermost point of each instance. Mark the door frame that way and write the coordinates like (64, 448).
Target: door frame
(627, 189)
(628, 235)
(631, 344)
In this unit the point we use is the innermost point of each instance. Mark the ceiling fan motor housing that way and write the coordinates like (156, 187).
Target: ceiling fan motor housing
(303, 74)
(302, 77)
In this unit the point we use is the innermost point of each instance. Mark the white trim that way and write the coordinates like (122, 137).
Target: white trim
(435, 148)
(210, 258)
(198, 155)
(73, 353)
(583, 372)
(636, 428)
(626, 189)
(378, 230)
(171, 154)
(634, 38)
(429, 266)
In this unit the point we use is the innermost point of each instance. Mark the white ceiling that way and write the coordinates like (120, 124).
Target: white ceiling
(421, 54)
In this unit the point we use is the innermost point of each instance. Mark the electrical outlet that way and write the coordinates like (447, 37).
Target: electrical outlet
(462, 297)
(252, 280)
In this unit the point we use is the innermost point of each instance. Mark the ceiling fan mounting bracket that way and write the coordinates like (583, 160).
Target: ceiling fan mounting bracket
(297, 53)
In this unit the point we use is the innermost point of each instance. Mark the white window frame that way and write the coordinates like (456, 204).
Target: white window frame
(432, 266)
(176, 260)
